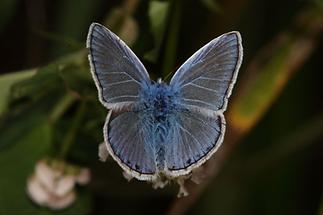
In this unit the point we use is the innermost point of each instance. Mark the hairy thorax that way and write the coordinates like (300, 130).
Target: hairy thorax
(158, 101)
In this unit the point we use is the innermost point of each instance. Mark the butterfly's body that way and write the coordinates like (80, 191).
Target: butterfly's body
(155, 129)
(157, 107)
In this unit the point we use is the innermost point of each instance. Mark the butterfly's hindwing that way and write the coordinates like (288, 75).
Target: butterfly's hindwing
(193, 137)
(128, 142)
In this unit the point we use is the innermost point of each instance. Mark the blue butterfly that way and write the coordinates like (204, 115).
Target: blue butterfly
(155, 129)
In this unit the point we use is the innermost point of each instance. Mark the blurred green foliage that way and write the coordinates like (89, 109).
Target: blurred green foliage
(6, 83)
(271, 160)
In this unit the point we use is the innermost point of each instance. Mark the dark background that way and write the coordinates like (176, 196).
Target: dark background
(274, 162)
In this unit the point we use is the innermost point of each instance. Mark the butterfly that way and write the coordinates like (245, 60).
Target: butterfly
(158, 129)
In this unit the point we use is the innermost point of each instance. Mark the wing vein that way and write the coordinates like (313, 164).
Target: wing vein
(198, 101)
(124, 96)
(191, 135)
(204, 88)
(120, 82)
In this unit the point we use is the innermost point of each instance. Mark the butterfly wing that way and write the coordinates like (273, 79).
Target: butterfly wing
(193, 138)
(117, 72)
(119, 76)
(128, 141)
(206, 79)
(204, 83)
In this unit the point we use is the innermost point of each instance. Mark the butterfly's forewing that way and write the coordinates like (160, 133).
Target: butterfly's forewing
(117, 71)
(128, 143)
(191, 139)
(206, 79)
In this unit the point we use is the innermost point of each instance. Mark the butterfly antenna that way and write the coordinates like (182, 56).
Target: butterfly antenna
(169, 74)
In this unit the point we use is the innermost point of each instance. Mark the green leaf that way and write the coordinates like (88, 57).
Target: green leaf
(16, 164)
(78, 79)
(6, 83)
(46, 79)
(15, 126)
(49, 78)
(158, 11)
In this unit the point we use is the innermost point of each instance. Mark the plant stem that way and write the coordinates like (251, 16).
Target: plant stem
(171, 43)
(63, 104)
(69, 138)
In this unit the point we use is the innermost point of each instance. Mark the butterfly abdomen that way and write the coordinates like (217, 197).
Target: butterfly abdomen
(159, 146)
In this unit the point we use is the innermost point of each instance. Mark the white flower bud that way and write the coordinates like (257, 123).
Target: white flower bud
(83, 177)
(52, 185)
(103, 152)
